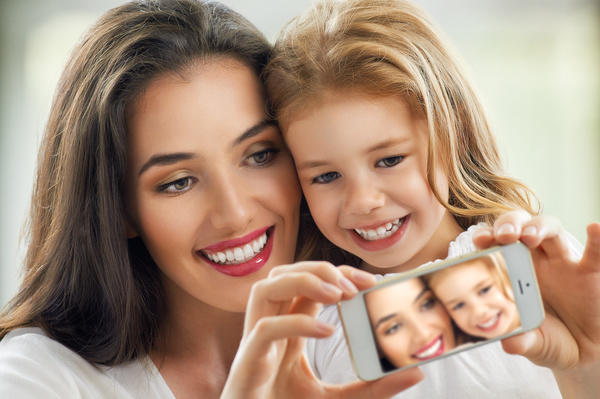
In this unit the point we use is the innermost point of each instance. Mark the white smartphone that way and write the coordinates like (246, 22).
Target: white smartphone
(441, 309)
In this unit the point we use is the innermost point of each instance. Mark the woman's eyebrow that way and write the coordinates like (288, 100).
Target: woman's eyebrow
(165, 159)
(253, 131)
(384, 319)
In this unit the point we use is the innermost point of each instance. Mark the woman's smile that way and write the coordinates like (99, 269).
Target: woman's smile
(241, 256)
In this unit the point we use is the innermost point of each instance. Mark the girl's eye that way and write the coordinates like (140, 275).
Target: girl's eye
(262, 158)
(485, 290)
(389, 161)
(178, 186)
(458, 306)
(326, 178)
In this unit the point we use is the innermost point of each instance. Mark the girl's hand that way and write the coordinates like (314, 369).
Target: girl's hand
(568, 341)
(281, 313)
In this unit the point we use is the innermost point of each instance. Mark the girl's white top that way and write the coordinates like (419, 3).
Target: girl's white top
(483, 372)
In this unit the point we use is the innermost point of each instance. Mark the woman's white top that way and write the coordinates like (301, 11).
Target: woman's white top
(33, 366)
(484, 372)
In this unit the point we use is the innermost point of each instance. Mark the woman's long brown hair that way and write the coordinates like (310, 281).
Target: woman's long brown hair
(85, 284)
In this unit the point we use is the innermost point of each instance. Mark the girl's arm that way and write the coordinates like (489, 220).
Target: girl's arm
(568, 341)
(281, 313)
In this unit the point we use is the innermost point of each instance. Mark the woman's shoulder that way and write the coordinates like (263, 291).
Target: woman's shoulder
(33, 365)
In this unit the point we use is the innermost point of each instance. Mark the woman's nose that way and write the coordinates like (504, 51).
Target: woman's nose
(363, 195)
(232, 205)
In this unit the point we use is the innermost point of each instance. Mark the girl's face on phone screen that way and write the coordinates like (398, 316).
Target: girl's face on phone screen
(409, 323)
(476, 301)
(362, 164)
(211, 188)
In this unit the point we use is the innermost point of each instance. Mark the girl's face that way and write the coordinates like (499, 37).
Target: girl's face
(362, 164)
(475, 300)
(410, 325)
(211, 188)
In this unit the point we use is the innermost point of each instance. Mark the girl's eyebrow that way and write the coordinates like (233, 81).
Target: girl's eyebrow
(379, 146)
(387, 144)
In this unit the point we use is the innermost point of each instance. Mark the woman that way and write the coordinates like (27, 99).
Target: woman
(163, 193)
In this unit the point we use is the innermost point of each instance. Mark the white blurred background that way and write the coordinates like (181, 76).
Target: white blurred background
(537, 63)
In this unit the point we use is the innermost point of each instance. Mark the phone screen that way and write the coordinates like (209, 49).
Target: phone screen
(423, 317)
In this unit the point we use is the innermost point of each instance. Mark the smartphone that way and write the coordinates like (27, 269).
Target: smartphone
(441, 309)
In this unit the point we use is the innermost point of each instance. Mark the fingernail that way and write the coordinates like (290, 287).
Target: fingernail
(530, 231)
(506, 228)
(347, 285)
(363, 277)
(330, 288)
(324, 327)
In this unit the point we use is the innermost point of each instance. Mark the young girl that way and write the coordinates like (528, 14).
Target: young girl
(478, 296)
(398, 165)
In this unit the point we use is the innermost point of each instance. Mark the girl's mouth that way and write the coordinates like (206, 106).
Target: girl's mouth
(381, 232)
(434, 349)
(243, 256)
(491, 324)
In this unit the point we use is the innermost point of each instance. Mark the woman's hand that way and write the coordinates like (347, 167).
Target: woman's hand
(568, 341)
(281, 313)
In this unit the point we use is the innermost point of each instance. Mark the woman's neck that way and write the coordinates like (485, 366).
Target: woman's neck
(196, 346)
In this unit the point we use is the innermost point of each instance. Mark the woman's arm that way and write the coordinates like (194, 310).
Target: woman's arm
(568, 341)
(281, 313)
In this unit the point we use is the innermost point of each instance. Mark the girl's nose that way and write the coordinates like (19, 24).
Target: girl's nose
(363, 195)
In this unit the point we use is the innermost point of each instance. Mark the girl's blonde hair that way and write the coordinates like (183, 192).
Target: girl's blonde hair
(390, 48)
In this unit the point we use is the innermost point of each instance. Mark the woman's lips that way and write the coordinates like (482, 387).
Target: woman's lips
(384, 236)
(241, 256)
(434, 349)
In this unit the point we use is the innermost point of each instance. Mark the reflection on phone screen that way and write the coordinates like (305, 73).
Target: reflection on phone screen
(424, 317)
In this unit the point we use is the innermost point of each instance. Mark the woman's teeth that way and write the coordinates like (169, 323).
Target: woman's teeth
(237, 255)
(432, 350)
(382, 231)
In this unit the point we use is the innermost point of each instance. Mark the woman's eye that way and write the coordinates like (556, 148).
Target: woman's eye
(458, 306)
(262, 158)
(389, 161)
(394, 328)
(428, 304)
(178, 186)
(326, 178)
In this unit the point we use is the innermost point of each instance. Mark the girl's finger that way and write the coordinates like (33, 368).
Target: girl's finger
(591, 254)
(361, 279)
(507, 228)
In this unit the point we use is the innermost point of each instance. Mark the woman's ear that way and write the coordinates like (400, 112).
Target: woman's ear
(130, 232)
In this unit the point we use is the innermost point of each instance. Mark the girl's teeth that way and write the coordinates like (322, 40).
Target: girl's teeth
(381, 232)
(490, 323)
(239, 254)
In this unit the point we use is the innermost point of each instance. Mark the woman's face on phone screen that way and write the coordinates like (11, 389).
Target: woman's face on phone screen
(211, 188)
(409, 323)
